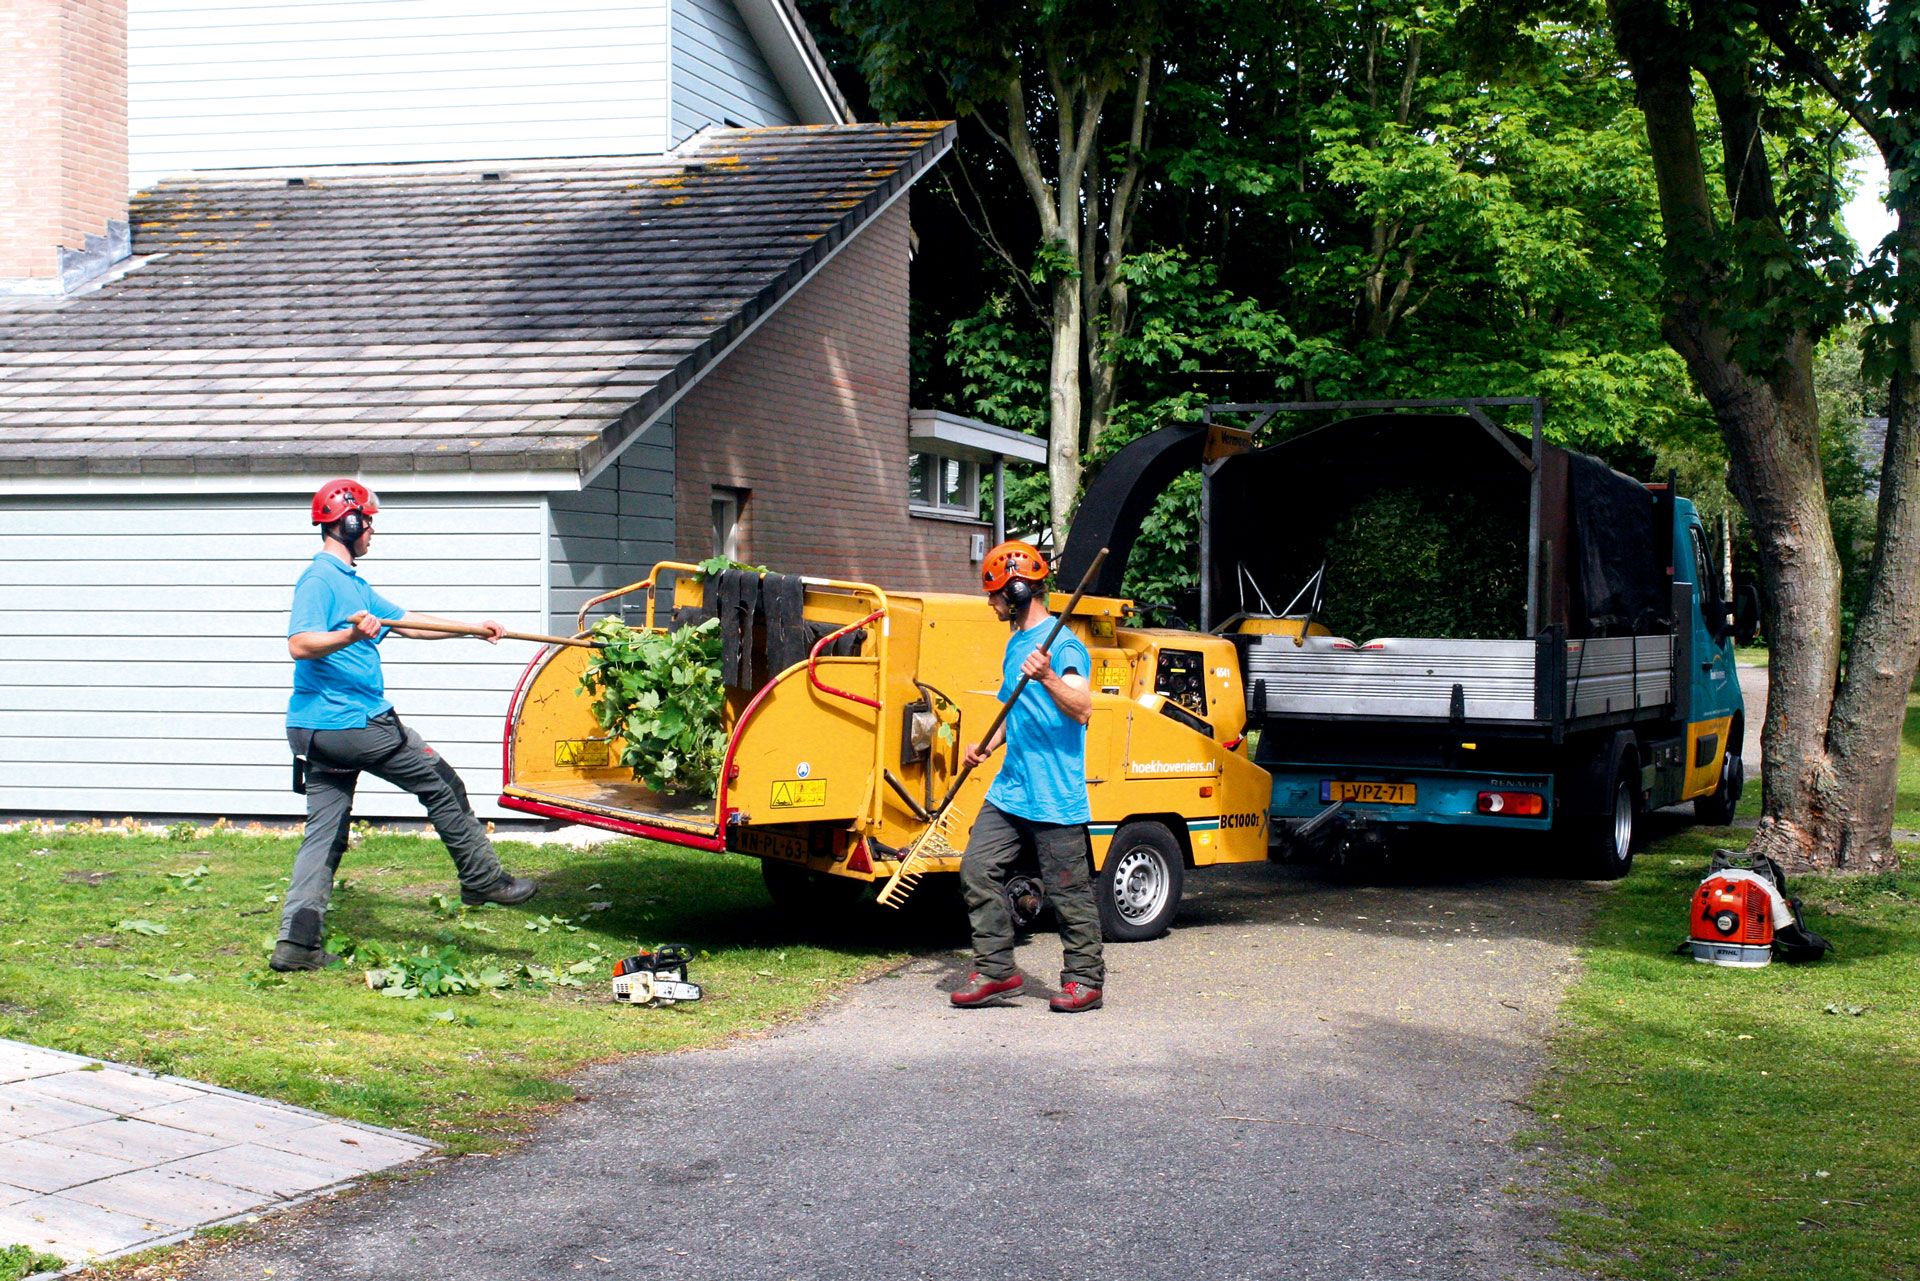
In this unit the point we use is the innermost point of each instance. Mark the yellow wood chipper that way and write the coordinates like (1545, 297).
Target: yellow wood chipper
(834, 761)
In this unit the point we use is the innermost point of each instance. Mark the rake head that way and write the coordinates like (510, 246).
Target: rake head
(917, 859)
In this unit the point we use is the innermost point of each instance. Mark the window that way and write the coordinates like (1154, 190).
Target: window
(1706, 576)
(728, 506)
(950, 486)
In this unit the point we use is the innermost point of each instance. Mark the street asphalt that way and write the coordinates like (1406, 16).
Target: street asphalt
(1306, 1079)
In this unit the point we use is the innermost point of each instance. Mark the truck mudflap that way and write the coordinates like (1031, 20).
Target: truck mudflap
(1303, 792)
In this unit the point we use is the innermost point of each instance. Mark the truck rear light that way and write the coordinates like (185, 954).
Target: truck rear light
(1343, 645)
(1513, 804)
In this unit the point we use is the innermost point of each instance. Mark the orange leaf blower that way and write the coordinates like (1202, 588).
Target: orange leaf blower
(1735, 913)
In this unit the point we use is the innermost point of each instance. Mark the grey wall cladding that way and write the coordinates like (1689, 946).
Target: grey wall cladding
(612, 532)
(719, 75)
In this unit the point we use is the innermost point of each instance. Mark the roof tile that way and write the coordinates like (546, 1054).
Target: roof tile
(433, 320)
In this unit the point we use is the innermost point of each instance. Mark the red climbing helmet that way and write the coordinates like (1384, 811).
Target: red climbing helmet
(336, 498)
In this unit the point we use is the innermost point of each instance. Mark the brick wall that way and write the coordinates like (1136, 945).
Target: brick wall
(809, 415)
(63, 129)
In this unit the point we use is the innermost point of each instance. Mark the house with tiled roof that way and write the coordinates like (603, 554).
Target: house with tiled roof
(574, 289)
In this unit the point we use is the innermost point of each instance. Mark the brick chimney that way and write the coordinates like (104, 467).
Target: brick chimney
(63, 142)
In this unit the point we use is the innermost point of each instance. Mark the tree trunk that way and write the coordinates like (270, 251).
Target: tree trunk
(1774, 444)
(1063, 405)
(1870, 712)
(1770, 425)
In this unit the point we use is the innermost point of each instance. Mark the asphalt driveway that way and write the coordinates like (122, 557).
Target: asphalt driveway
(1307, 1079)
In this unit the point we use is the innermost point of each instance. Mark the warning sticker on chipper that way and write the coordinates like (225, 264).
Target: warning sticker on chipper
(799, 793)
(581, 753)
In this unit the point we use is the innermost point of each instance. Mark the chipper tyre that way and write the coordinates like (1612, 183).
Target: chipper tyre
(1139, 888)
(811, 896)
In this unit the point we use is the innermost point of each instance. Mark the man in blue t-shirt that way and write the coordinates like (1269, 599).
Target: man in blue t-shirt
(339, 723)
(1038, 802)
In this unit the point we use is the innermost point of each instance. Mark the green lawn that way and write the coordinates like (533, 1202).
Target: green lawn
(1742, 1124)
(153, 951)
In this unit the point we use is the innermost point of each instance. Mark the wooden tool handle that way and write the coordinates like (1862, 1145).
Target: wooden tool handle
(468, 629)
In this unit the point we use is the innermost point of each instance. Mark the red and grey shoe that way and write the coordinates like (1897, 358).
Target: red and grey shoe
(1075, 997)
(980, 990)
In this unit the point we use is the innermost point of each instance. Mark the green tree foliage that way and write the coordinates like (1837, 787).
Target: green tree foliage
(1343, 200)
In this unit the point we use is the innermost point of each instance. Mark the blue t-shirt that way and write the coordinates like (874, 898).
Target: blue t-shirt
(345, 688)
(1044, 776)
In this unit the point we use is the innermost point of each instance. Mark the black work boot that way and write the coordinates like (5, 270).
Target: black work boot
(509, 889)
(292, 956)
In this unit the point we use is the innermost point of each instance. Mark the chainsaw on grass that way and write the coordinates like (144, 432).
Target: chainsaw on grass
(655, 978)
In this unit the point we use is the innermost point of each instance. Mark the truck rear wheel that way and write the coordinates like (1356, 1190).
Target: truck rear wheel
(1604, 842)
(1139, 888)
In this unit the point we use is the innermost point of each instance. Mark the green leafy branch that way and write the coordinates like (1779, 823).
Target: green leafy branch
(661, 694)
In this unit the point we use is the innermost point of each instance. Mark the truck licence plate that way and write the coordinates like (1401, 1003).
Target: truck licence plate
(1366, 792)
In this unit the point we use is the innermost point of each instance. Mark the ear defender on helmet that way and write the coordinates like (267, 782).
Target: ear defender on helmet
(345, 505)
(1017, 569)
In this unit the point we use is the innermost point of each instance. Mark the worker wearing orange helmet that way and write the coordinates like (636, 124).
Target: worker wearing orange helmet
(1038, 801)
(340, 724)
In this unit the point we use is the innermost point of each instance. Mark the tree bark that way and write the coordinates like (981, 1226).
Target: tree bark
(1770, 422)
(1870, 712)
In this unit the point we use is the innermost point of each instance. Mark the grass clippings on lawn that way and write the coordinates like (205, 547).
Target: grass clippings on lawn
(152, 951)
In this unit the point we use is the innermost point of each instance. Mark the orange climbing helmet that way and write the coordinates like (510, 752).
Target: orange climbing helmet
(1010, 561)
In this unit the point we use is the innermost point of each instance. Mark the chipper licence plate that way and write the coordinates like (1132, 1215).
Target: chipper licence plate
(1365, 792)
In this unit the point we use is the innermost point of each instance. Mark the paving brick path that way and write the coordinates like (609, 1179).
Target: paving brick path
(97, 1159)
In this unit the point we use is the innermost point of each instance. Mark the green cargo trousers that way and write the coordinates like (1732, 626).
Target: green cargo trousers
(389, 750)
(996, 842)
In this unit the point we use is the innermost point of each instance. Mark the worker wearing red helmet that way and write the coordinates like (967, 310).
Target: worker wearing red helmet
(340, 725)
(1038, 801)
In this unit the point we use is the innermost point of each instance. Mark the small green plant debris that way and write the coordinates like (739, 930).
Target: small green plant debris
(18, 1261)
(136, 925)
(660, 693)
(182, 832)
(178, 882)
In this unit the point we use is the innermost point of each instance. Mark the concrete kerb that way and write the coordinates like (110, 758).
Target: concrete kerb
(244, 1217)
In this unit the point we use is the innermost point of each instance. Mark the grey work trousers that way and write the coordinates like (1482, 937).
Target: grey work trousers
(995, 843)
(389, 750)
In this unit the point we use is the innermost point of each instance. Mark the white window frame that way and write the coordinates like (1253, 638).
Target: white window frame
(969, 506)
(727, 506)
